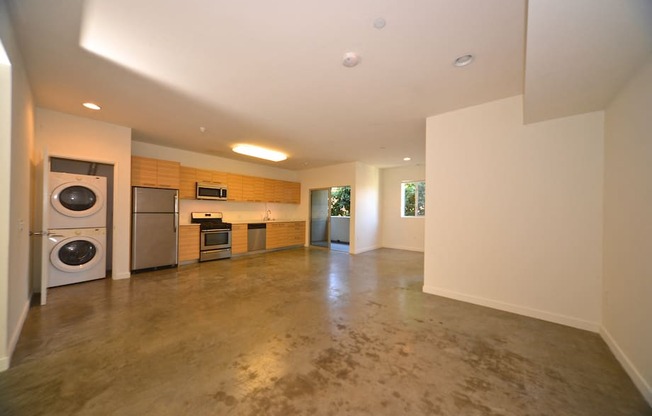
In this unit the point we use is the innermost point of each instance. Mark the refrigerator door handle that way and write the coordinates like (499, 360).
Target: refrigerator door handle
(176, 211)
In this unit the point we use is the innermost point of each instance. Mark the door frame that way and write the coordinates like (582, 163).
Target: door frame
(328, 220)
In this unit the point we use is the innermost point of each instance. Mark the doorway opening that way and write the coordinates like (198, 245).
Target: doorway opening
(330, 218)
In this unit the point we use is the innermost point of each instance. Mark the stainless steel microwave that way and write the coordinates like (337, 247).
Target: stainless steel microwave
(209, 190)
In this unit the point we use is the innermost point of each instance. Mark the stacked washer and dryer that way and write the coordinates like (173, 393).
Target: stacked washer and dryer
(77, 228)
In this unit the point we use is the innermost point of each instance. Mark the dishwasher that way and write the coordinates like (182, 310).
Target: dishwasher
(256, 236)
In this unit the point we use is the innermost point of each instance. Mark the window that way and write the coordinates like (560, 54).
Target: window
(341, 201)
(414, 199)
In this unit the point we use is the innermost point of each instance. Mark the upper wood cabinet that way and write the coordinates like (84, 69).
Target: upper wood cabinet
(154, 173)
(187, 182)
(253, 189)
(241, 188)
(234, 187)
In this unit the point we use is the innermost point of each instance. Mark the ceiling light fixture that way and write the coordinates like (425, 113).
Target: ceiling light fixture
(407, 159)
(379, 23)
(463, 60)
(259, 152)
(351, 59)
(92, 106)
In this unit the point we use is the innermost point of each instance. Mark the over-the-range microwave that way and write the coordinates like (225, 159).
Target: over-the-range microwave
(209, 190)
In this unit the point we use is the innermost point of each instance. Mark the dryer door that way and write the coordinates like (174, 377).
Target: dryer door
(76, 199)
(76, 254)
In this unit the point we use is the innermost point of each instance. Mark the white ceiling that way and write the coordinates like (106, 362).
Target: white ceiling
(270, 73)
(581, 52)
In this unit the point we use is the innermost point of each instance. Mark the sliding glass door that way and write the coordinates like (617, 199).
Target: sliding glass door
(320, 216)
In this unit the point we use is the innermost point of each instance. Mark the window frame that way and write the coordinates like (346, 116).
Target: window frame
(416, 198)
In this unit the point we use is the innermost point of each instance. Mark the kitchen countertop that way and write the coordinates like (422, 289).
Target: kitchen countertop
(252, 221)
(261, 221)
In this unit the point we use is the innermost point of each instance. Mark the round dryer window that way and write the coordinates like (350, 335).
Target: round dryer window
(76, 253)
(77, 200)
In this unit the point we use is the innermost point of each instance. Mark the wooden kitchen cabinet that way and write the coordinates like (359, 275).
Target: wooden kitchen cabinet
(293, 193)
(234, 187)
(187, 181)
(253, 189)
(240, 187)
(188, 243)
(203, 175)
(297, 233)
(275, 235)
(239, 240)
(154, 173)
(190, 176)
(285, 234)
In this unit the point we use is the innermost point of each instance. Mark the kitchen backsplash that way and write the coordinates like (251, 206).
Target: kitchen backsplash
(238, 211)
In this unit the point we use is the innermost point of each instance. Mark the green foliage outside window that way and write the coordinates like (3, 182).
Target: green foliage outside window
(414, 199)
(341, 201)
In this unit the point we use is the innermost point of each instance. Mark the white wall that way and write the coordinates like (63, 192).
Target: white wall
(16, 142)
(627, 309)
(233, 211)
(364, 181)
(399, 232)
(515, 212)
(341, 229)
(365, 203)
(73, 137)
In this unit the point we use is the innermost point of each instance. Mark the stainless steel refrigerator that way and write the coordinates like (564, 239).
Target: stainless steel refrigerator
(154, 227)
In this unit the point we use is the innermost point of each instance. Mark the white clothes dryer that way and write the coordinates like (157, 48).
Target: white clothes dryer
(76, 201)
(76, 255)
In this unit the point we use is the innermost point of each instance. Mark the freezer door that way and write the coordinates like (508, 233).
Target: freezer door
(154, 240)
(154, 200)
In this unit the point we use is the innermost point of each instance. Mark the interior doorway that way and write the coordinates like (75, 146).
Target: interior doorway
(330, 210)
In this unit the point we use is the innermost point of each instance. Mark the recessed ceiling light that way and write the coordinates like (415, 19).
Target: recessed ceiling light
(379, 23)
(202, 129)
(92, 106)
(351, 59)
(259, 152)
(463, 60)
(407, 159)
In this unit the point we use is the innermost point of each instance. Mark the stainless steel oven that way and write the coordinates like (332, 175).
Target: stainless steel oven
(215, 236)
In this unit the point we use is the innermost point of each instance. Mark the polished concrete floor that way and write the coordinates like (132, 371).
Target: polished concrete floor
(301, 332)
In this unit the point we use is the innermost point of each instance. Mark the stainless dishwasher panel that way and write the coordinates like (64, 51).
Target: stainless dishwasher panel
(256, 237)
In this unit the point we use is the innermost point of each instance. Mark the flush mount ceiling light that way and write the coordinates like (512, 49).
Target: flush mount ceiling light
(351, 59)
(407, 159)
(463, 60)
(92, 106)
(259, 152)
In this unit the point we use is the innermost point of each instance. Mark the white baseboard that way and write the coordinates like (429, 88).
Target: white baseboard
(120, 276)
(5, 362)
(19, 328)
(518, 309)
(640, 382)
(365, 249)
(406, 248)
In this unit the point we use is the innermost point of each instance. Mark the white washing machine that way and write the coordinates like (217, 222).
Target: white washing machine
(76, 255)
(76, 201)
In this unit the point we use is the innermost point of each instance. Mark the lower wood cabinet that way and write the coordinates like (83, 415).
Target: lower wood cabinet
(285, 234)
(188, 243)
(239, 238)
